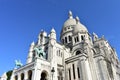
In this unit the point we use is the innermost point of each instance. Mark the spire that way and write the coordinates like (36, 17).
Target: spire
(53, 34)
(70, 14)
(77, 19)
(103, 37)
(42, 30)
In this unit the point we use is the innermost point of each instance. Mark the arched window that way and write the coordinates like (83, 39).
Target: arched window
(65, 39)
(78, 71)
(29, 75)
(22, 76)
(82, 37)
(109, 68)
(94, 52)
(73, 67)
(44, 75)
(33, 57)
(78, 52)
(70, 38)
(69, 74)
(16, 77)
(59, 52)
(76, 39)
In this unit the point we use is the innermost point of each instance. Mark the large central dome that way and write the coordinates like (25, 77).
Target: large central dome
(73, 25)
(70, 20)
(68, 24)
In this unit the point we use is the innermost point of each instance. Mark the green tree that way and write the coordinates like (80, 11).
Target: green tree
(9, 73)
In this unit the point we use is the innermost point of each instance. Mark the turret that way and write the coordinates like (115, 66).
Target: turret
(30, 54)
(52, 52)
(41, 37)
(53, 34)
(3, 77)
(52, 42)
(95, 37)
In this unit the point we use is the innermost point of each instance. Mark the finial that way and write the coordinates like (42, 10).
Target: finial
(53, 30)
(95, 36)
(42, 30)
(70, 14)
(103, 37)
(33, 43)
(77, 19)
(94, 33)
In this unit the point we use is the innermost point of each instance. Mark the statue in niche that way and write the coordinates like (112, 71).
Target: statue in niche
(109, 67)
(39, 51)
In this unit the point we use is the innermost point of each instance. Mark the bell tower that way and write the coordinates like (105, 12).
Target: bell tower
(30, 54)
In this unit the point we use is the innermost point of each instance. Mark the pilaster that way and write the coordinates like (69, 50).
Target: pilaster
(25, 75)
(84, 69)
(102, 69)
(37, 71)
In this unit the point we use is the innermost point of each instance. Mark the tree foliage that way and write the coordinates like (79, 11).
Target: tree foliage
(9, 73)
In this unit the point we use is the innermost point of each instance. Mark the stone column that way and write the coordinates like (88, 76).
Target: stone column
(54, 63)
(84, 69)
(63, 75)
(36, 73)
(26, 75)
(103, 73)
(19, 76)
(114, 72)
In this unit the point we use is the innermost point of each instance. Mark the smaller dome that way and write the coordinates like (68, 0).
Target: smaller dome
(79, 27)
(69, 22)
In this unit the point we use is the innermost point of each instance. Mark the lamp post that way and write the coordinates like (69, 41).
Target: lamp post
(52, 71)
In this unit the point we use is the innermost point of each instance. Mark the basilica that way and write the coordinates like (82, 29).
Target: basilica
(78, 56)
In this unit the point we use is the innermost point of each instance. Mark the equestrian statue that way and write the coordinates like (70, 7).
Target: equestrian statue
(39, 51)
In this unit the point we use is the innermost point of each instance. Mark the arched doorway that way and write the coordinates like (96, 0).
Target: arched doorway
(22, 76)
(16, 77)
(78, 52)
(29, 75)
(44, 75)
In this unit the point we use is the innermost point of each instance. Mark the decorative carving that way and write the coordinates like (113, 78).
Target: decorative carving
(109, 67)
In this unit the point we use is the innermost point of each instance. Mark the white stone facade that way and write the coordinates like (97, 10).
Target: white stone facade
(79, 56)
(3, 77)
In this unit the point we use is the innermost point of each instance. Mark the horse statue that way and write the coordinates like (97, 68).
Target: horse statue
(18, 63)
(40, 52)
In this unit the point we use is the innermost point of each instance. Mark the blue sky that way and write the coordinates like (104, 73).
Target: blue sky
(22, 20)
